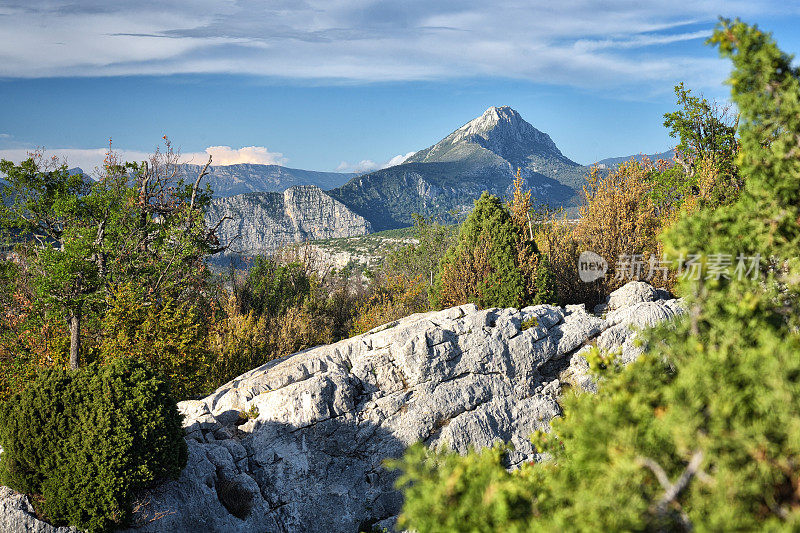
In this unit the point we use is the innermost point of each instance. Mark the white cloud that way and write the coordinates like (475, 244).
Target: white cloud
(639, 41)
(225, 155)
(363, 166)
(5, 136)
(368, 165)
(91, 158)
(577, 42)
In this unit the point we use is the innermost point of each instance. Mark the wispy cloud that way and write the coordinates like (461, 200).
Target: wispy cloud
(367, 165)
(639, 41)
(577, 42)
(5, 135)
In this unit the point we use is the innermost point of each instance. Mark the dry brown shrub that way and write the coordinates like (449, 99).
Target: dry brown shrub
(620, 217)
(395, 296)
(520, 206)
(241, 342)
(557, 239)
(461, 277)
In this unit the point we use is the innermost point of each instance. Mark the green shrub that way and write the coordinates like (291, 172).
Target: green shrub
(481, 267)
(544, 282)
(445, 492)
(83, 442)
(171, 335)
(271, 288)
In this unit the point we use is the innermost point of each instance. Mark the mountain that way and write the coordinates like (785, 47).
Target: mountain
(614, 161)
(230, 180)
(482, 155)
(262, 222)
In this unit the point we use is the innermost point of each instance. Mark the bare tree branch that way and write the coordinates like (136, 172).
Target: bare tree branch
(673, 490)
(203, 173)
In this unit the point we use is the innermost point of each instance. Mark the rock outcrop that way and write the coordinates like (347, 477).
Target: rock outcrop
(260, 223)
(631, 293)
(17, 515)
(299, 443)
(304, 438)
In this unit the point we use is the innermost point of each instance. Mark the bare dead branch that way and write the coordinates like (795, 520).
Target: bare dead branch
(673, 490)
(218, 224)
(203, 173)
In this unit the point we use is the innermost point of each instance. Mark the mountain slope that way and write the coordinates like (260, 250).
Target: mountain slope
(230, 180)
(614, 161)
(482, 155)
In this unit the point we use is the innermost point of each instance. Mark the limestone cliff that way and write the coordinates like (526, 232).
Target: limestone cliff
(260, 223)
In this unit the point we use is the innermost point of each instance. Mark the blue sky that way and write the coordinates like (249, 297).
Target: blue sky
(352, 84)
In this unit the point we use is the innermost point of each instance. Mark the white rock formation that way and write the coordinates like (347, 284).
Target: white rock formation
(260, 223)
(302, 440)
(17, 515)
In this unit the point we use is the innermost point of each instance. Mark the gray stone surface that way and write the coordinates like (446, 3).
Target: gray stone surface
(623, 324)
(629, 294)
(309, 453)
(17, 515)
(260, 223)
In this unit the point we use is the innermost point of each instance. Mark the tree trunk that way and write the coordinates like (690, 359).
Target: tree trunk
(74, 338)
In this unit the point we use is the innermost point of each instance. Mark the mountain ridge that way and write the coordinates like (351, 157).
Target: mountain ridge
(481, 155)
(240, 178)
(614, 161)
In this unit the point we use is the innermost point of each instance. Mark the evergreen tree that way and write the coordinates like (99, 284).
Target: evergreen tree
(481, 267)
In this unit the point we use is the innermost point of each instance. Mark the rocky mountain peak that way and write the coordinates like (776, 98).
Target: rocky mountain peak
(494, 117)
(500, 130)
(503, 131)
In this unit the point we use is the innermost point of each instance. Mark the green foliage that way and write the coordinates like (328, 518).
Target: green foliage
(494, 261)
(421, 259)
(668, 187)
(309, 311)
(481, 266)
(271, 288)
(55, 208)
(445, 492)
(544, 283)
(601, 361)
(83, 239)
(251, 413)
(706, 152)
(705, 131)
(530, 323)
(169, 334)
(84, 442)
(403, 283)
(393, 297)
(702, 432)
